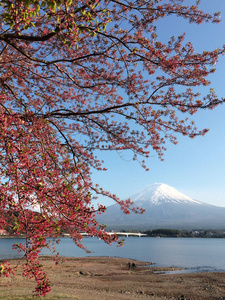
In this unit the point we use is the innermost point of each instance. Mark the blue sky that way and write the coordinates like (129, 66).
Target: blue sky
(195, 167)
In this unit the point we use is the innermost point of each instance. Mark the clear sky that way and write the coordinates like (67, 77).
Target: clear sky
(195, 167)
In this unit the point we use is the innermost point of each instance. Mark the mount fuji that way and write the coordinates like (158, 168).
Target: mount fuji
(165, 207)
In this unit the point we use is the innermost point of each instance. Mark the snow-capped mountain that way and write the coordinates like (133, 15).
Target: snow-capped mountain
(165, 207)
(160, 193)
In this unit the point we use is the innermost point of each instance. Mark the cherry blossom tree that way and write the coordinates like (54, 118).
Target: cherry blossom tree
(78, 78)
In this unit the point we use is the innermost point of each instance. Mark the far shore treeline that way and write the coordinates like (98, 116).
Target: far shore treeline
(158, 233)
(196, 233)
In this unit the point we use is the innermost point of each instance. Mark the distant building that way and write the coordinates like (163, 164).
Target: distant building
(3, 232)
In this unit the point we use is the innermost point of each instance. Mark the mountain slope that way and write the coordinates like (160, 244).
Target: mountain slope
(160, 193)
(165, 208)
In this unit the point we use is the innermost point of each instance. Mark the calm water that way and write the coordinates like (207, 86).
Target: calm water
(195, 254)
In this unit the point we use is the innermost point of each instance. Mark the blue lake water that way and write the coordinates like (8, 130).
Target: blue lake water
(194, 254)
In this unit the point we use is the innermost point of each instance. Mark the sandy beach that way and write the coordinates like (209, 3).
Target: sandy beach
(109, 278)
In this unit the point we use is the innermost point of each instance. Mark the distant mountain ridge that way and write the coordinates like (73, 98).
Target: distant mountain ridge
(165, 208)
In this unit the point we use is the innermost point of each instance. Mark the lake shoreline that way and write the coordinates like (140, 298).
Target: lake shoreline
(193, 255)
(94, 278)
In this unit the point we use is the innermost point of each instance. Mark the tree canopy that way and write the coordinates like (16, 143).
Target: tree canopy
(78, 78)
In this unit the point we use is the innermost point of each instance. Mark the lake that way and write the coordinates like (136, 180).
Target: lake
(194, 254)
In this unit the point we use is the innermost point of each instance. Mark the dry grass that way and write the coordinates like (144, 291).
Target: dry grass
(105, 278)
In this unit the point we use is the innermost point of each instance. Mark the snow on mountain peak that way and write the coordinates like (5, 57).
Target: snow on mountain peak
(159, 193)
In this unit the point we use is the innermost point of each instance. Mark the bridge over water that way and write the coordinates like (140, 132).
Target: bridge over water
(127, 234)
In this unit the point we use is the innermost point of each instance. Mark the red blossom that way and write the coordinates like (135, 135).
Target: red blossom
(78, 78)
